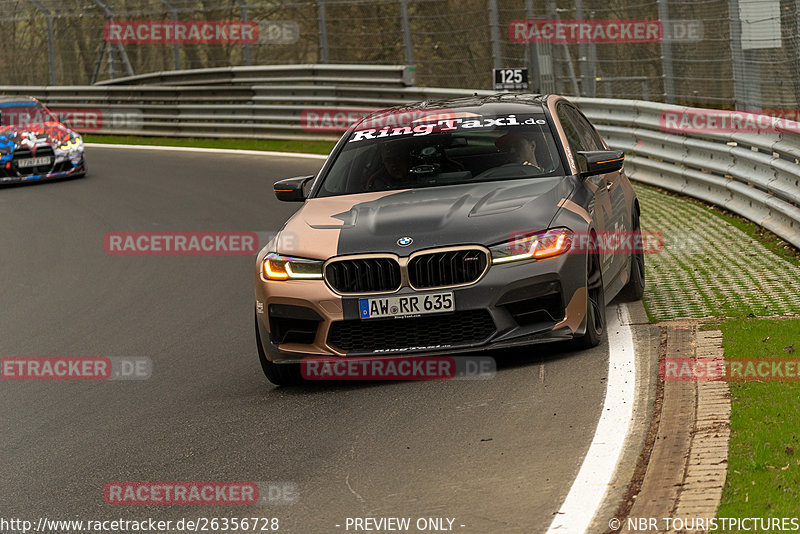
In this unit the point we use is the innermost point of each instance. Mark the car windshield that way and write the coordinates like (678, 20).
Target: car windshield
(443, 149)
(24, 113)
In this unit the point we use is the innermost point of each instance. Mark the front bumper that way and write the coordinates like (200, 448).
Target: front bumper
(62, 168)
(512, 305)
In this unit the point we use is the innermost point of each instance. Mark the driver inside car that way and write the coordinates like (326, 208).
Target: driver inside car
(521, 148)
(396, 159)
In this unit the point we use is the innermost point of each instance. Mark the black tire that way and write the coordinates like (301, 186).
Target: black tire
(634, 289)
(595, 305)
(284, 374)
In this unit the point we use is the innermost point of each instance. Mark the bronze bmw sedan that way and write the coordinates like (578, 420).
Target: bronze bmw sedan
(450, 227)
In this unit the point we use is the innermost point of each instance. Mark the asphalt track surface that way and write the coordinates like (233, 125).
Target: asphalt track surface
(497, 455)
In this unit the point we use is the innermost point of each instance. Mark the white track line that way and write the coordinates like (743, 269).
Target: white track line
(210, 150)
(594, 478)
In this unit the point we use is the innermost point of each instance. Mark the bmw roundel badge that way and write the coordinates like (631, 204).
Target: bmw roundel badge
(404, 241)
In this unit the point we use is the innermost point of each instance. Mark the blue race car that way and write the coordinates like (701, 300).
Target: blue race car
(34, 145)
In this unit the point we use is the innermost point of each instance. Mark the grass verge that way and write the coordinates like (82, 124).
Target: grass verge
(276, 145)
(763, 477)
(768, 239)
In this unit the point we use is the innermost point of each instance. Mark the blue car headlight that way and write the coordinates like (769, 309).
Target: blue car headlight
(72, 144)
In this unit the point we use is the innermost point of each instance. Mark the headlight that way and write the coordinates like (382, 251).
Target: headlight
(277, 267)
(533, 246)
(73, 143)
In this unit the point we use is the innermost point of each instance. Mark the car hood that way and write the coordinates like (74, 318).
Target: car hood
(35, 134)
(484, 213)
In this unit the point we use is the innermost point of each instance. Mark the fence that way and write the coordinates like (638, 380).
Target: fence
(729, 54)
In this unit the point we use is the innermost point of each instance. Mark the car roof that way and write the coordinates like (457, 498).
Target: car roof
(489, 105)
(497, 98)
(14, 99)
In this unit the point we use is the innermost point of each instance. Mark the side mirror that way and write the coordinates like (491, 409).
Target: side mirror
(291, 189)
(596, 162)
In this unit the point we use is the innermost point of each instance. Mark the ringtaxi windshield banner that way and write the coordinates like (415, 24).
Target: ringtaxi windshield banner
(447, 123)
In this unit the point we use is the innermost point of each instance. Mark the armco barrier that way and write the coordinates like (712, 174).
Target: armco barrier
(755, 175)
(241, 111)
(387, 75)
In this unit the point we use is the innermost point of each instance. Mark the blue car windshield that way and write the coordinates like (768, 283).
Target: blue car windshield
(442, 149)
(24, 113)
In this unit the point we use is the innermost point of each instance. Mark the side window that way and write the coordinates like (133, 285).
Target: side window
(570, 129)
(589, 136)
(578, 135)
(581, 135)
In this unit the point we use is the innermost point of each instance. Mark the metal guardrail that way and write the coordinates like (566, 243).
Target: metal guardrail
(756, 175)
(387, 75)
(238, 111)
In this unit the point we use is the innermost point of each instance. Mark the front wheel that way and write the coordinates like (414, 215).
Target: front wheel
(634, 289)
(286, 374)
(595, 305)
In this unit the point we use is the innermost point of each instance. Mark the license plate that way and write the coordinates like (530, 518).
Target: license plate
(33, 162)
(407, 305)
